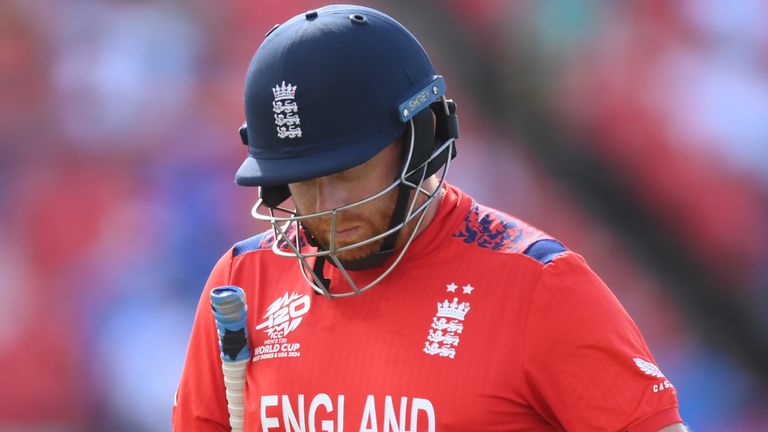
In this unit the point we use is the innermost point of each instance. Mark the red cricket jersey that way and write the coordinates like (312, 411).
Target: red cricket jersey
(487, 324)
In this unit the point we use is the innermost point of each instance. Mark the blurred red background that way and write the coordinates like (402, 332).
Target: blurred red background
(118, 146)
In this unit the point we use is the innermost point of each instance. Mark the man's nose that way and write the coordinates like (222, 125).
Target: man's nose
(330, 195)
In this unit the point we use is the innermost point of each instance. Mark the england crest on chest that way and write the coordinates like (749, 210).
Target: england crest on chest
(448, 324)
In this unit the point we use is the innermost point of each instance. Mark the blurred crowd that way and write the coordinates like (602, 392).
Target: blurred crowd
(118, 146)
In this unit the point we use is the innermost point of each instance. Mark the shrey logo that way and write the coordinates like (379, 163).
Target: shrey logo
(447, 325)
(286, 111)
(282, 317)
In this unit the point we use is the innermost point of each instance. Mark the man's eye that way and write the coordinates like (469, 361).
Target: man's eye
(305, 184)
(355, 173)
(347, 177)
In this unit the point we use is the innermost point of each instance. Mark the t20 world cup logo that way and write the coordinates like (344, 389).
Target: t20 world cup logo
(284, 315)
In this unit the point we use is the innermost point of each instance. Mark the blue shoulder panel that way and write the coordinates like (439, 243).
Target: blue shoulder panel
(545, 250)
(257, 242)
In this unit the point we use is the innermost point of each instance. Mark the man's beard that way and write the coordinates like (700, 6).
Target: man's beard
(374, 222)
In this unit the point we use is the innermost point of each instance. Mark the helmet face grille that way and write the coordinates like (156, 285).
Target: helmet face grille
(291, 239)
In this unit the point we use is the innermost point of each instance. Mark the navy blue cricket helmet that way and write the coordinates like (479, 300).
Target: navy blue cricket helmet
(327, 90)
